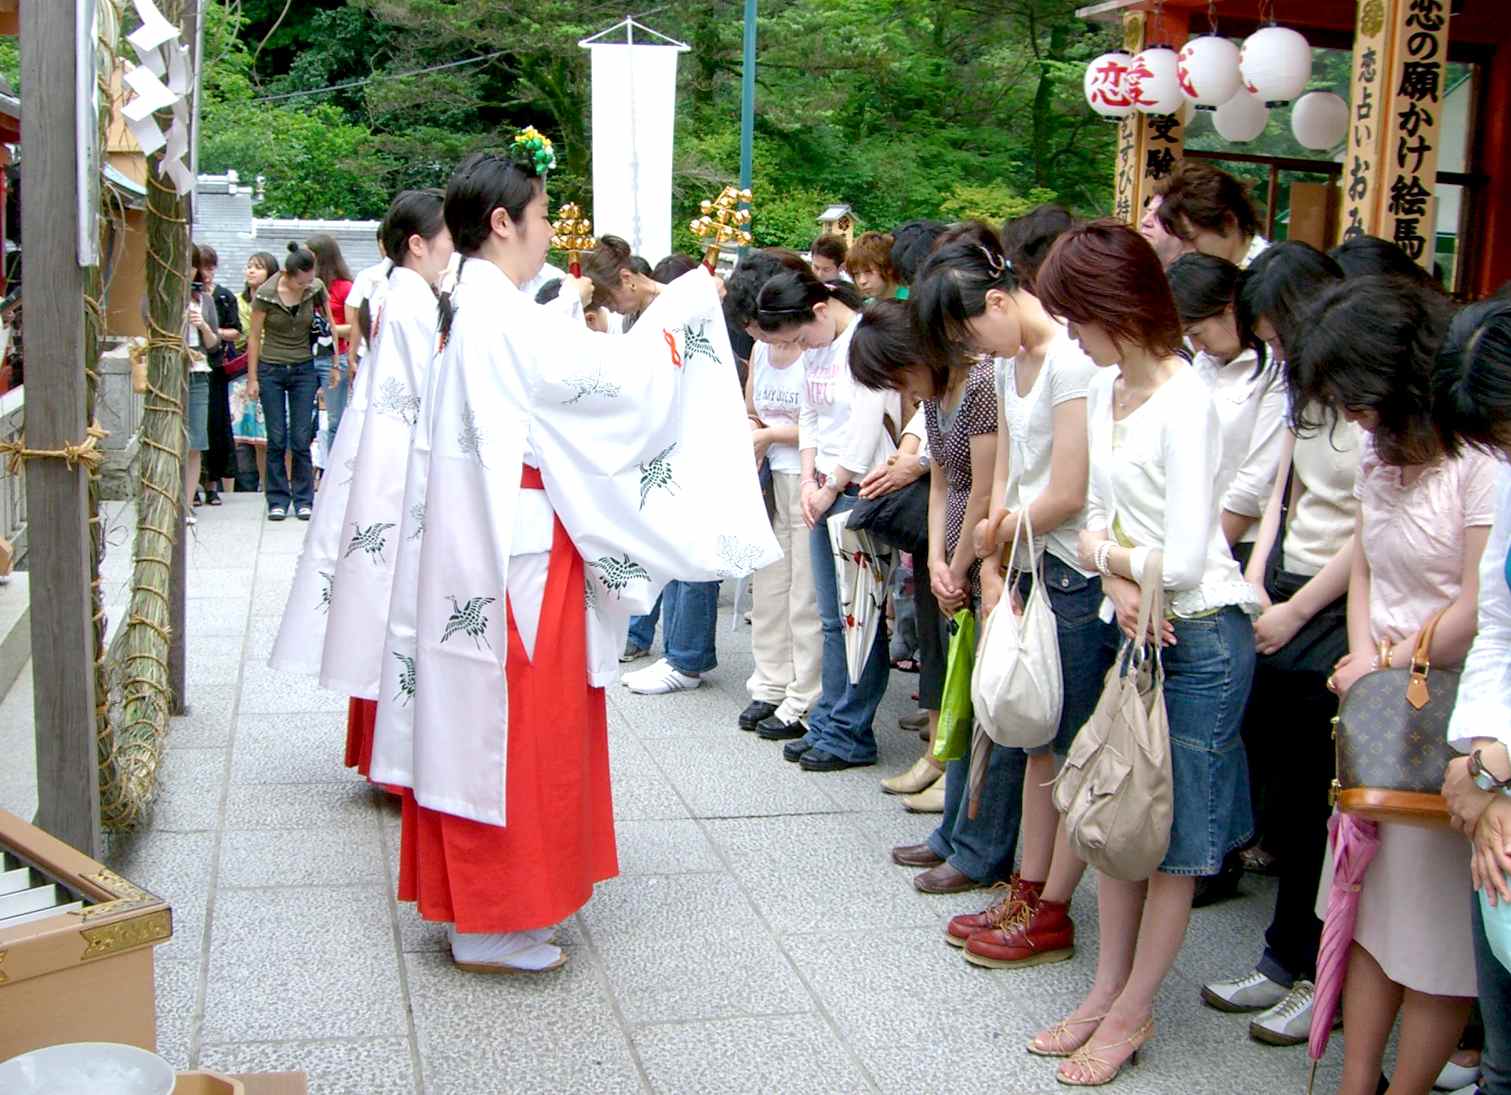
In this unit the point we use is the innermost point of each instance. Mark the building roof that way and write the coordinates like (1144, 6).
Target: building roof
(834, 213)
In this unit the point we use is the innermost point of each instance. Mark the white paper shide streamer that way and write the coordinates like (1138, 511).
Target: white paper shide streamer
(162, 57)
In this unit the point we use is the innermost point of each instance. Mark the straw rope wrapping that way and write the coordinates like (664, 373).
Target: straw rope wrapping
(138, 678)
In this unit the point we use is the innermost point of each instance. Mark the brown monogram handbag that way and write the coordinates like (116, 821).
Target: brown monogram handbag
(1392, 741)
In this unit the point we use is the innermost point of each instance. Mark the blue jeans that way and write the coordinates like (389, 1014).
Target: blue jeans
(288, 408)
(1495, 1006)
(692, 624)
(840, 722)
(1087, 644)
(1207, 677)
(984, 848)
(336, 396)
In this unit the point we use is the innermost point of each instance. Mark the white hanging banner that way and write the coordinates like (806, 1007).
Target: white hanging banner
(634, 114)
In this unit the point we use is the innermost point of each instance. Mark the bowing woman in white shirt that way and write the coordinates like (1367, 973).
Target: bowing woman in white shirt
(1154, 439)
(1247, 390)
(1472, 407)
(842, 435)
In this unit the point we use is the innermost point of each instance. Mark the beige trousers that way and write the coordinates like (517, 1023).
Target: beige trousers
(787, 638)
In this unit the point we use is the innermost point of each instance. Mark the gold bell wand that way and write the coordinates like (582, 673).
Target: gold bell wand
(722, 221)
(574, 235)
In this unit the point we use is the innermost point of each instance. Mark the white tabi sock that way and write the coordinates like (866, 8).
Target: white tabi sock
(526, 950)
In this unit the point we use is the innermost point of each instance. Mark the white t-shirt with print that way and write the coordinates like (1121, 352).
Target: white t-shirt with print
(777, 392)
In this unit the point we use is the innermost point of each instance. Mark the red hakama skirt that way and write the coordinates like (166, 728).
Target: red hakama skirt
(361, 717)
(559, 840)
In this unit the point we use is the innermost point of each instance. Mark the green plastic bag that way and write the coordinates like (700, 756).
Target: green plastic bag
(955, 718)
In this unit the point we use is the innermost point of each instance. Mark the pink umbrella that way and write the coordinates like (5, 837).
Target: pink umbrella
(1354, 843)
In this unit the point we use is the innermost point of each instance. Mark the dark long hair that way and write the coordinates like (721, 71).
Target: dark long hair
(967, 263)
(482, 184)
(1365, 255)
(413, 213)
(1369, 344)
(1204, 286)
(602, 266)
(1471, 379)
(912, 242)
(1105, 273)
(1027, 240)
(750, 277)
(1281, 286)
(330, 263)
(886, 343)
(788, 299)
(269, 264)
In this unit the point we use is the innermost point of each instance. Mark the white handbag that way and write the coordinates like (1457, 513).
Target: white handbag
(1016, 687)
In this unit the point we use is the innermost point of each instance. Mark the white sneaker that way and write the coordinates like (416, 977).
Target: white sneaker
(1288, 1023)
(660, 679)
(1468, 1089)
(1252, 992)
(1455, 1077)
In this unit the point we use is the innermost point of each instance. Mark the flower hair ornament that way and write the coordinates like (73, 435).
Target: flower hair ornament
(533, 148)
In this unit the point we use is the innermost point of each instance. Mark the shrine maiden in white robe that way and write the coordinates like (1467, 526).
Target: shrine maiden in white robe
(643, 446)
(351, 540)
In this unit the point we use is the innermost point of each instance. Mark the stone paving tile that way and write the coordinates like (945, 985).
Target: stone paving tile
(664, 847)
(271, 691)
(378, 1066)
(298, 806)
(215, 618)
(208, 577)
(191, 782)
(303, 996)
(818, 873)
(301, 857)
(733, 776)
(790, 1054)
(271, 925)
(688, 947)
(177, 986)
(297, 748)
(640, 790)
(176, 867)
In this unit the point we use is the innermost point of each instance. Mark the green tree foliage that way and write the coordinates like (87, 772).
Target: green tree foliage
(902, 108)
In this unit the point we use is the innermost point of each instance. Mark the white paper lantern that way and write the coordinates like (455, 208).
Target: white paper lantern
(1320, 120)
(1154, 81)
(1241, 118)
(1276, 63)
(1208, 71)
(1106, 84)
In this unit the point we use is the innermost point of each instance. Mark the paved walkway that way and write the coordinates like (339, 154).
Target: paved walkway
(758, 940)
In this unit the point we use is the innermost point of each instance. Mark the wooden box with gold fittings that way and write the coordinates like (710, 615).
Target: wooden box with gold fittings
(76, 946)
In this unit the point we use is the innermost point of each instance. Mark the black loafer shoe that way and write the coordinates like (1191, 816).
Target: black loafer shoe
(758, 710)
(816, 760)
(794, 750)
(774, 729)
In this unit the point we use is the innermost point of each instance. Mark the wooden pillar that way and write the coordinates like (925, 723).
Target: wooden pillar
(1149, 146)
(62, 637)
(1364, 163)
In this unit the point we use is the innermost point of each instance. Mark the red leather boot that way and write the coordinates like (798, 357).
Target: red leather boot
(1017, 903)
(1047, 935)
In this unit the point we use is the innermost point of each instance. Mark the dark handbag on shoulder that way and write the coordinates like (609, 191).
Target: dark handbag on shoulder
(1392, 739)
(234, 367)
(1323, 639)
(899, 518)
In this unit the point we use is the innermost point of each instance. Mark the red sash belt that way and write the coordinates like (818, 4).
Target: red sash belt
(530, 479)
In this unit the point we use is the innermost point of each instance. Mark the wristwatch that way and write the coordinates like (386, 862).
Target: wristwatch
(924, 461)
(1482, 777)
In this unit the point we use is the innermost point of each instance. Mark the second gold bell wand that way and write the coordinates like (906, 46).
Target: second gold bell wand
(722, 221)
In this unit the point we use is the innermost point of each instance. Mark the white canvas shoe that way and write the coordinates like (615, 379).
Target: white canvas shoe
(1456, 1077)
(1251, 992)
(660, 679)
(1288, 1023)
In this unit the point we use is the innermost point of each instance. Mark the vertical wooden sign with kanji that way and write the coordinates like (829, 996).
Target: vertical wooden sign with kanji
(1364, 164)
(1126, 206)
(1408, 195)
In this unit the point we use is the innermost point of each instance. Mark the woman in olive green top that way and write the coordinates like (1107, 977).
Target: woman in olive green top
(281, 373)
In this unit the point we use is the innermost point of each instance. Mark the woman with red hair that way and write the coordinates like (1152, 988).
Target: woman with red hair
(1154, 439)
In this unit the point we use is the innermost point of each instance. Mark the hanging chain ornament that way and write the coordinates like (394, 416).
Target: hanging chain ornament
(722, 221)
(574, 235)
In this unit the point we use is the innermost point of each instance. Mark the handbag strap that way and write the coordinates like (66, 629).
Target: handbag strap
(1025, 525)
(1276, 560)
(1151, 603)
(1417, 692)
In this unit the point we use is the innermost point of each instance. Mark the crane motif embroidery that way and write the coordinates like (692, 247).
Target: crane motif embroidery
(657, 473)
(406, 680)
(397, 400)
(327, 589)
(371, 540)
(469, 620)
(617, 574)
(417, 515)
(696, 343)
